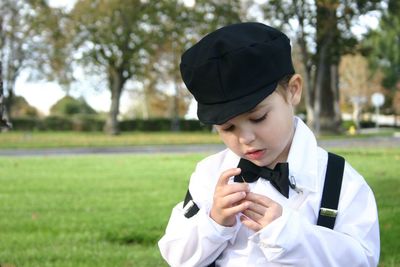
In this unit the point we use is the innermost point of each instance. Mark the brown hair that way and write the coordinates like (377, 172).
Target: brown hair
(282, 86)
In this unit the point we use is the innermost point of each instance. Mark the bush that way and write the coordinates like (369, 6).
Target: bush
(71, 106)
(27, 124)
(161, 124)
(87, 123)
(347, 124)
(367, 124)
(57, 123)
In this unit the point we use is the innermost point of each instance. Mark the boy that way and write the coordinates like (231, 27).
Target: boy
(244, 82)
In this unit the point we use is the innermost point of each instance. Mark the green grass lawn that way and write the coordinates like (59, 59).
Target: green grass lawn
(110, 210)
(18, 139)
(12, 139)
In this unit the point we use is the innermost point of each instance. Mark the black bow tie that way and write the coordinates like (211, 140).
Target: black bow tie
(278, 177)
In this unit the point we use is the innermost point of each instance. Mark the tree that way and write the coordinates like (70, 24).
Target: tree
(14, 17)
(116, 37)
(21, 108)
(19, 41)
(357, 84)
(382, 47)
(23, 43)
(322, 30)
(71, 106)
(184, 25)
(4, 123)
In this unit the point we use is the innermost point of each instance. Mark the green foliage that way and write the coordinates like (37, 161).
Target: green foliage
(21, 108)
(323, 33)
(81, 123)
(382, 46)
(162, 125)
(71, 106)
(111, 210)
(92, 122)
(17, 48)
(347, 124)
(57, 123)
(27, 124)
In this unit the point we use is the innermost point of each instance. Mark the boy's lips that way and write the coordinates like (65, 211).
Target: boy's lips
(255, 154)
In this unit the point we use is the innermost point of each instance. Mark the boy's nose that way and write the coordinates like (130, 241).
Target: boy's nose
(246, 137)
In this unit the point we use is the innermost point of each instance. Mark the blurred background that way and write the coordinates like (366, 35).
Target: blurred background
(99, 135)
(97, 65)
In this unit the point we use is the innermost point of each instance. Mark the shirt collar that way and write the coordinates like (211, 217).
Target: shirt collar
(303, 157)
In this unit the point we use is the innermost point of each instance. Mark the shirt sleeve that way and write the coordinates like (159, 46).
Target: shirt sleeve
(295, 241)
(195, 241)
(199, 240)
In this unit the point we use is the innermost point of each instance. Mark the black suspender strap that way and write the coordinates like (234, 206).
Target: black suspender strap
(331, 191)
(190, 208)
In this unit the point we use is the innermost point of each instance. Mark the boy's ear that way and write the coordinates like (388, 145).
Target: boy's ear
(295, 87)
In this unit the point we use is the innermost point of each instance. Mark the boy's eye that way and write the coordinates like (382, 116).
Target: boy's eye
(260, 119)
(229, 128)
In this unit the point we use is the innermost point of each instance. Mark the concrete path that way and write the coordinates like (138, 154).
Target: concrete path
(378, 142)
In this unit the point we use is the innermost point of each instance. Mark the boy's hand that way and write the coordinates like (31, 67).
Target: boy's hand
(228, 199)
(261, 211)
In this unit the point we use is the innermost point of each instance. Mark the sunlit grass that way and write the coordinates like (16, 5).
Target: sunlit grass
(111, 210)
(97, 139)
(15, 139)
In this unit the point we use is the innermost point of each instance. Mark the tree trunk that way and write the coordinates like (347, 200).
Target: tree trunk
(4, 120)
(309, 100)
(116, 83)
(337, 117)
(327, 98)
(175, 110)
(307, 63)
(319, 83)
(326, 104)
(309, 84)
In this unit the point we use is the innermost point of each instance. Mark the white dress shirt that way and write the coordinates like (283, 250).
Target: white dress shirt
(293, 239)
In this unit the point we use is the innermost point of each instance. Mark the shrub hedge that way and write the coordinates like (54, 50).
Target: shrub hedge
(93, 123)
(87, 123)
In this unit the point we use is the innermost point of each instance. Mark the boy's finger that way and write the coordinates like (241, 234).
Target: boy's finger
(257, 208)
(231, 199)
(260, 199)
(233, 188)
(252, 215)
(250, 223)
(224, 178)
(236, 209)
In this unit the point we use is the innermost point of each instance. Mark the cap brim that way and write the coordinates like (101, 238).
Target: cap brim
(222, 112)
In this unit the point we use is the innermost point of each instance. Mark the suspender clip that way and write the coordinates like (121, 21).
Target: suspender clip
(328, 212)
(188, 207)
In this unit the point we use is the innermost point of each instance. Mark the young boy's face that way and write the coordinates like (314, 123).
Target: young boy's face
(264, 134)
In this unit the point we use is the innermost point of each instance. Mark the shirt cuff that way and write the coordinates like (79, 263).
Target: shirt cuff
(279, 236)
(213, 229)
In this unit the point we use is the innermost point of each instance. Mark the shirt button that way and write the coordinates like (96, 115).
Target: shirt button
(264, 244)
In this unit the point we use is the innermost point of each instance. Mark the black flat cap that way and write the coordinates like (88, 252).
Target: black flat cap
(233, 69)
